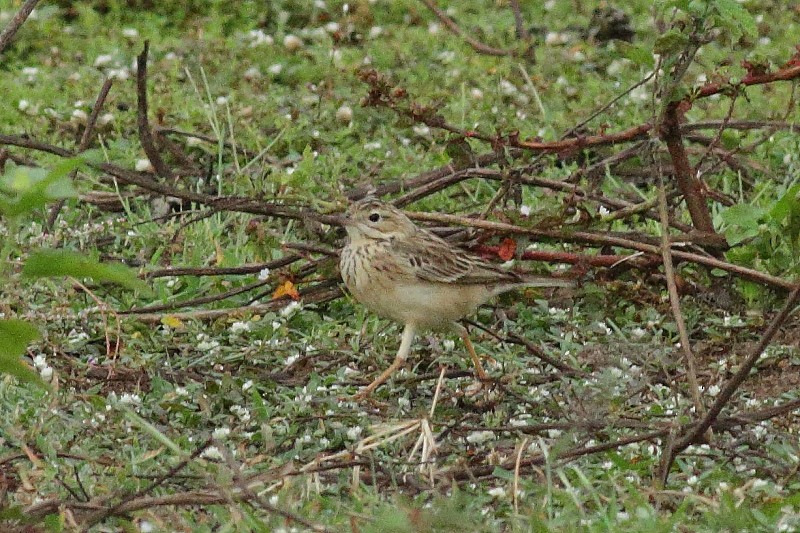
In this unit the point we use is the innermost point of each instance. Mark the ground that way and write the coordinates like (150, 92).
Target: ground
(197, 406)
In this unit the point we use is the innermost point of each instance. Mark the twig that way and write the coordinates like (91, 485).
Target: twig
(111, 511)
(474, 43)
(145, 134)
(83, 145)
(601, 239)
(674, 300)
(15, 23)
(309, 296)
(534, 350)
(690, 187)
(519, 22)
(195, 301)
(744, 370)
(216, 271)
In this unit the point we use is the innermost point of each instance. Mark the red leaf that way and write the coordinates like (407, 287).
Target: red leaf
(507, 249)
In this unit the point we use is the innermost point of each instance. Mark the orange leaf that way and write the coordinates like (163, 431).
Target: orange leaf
(507, 249)
(286, 288)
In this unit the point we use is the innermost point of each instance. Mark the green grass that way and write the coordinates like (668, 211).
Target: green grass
(272, 387)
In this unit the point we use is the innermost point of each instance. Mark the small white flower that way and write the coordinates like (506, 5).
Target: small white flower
(275, 69)
(240, 327)
(207, 346)
(497, 492)
(242, 412)
(212, 452)
(103, 60)
(251, 74)
(258, 37)
(292, 42)
(354, 432)
(332, 27)
(525, 210)
(23, 105)
(222, 100)
(46, 373)
(375, 32)
(447, 56)
(30, 72)
(479, 437)
(130, 33)
(40, 361)
(421, 129)
(760, 483)
(433, 28)
(374, 145)
(105, 118)
(603, 211)
(448, 344)
(507, 88)
(120, 74)
(292, 358)
(290, 309)
(476, 93)
(80, 116)
(554, 38)
(143, 165)
(220, 433)
(617, 66)
(181, 391)
(76, 337)
(345, 114)
(130, 399)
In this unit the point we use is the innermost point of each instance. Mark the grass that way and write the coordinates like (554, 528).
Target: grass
(271, 389)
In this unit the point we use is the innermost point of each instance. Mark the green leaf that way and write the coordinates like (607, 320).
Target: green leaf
(736, 18)
(743, 222)
(45, 263)
(670, 42)
(638, 54)
(786, 204)
(502, 473)
(15, 335)
(23, 189)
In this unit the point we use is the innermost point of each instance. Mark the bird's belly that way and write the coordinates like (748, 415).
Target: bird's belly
(428, 305)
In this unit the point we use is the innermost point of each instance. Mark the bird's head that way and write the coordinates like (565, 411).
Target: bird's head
(371, 218)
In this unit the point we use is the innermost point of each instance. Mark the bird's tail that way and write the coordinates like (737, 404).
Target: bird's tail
(536, 281)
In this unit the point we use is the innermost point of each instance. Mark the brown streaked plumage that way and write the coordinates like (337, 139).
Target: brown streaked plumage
(406, 273)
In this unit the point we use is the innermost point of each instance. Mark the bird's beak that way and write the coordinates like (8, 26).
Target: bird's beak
(341, 220)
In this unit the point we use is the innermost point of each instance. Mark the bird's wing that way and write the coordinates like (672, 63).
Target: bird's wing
(432, 259)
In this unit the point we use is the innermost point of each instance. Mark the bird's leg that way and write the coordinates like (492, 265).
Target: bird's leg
(482, 375)
(399, 361)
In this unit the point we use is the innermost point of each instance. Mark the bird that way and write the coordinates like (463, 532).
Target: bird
(405, 273)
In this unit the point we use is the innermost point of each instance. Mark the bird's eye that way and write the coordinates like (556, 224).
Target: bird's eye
(374, 217)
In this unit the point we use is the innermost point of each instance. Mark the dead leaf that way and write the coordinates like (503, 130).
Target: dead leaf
(286, 288)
